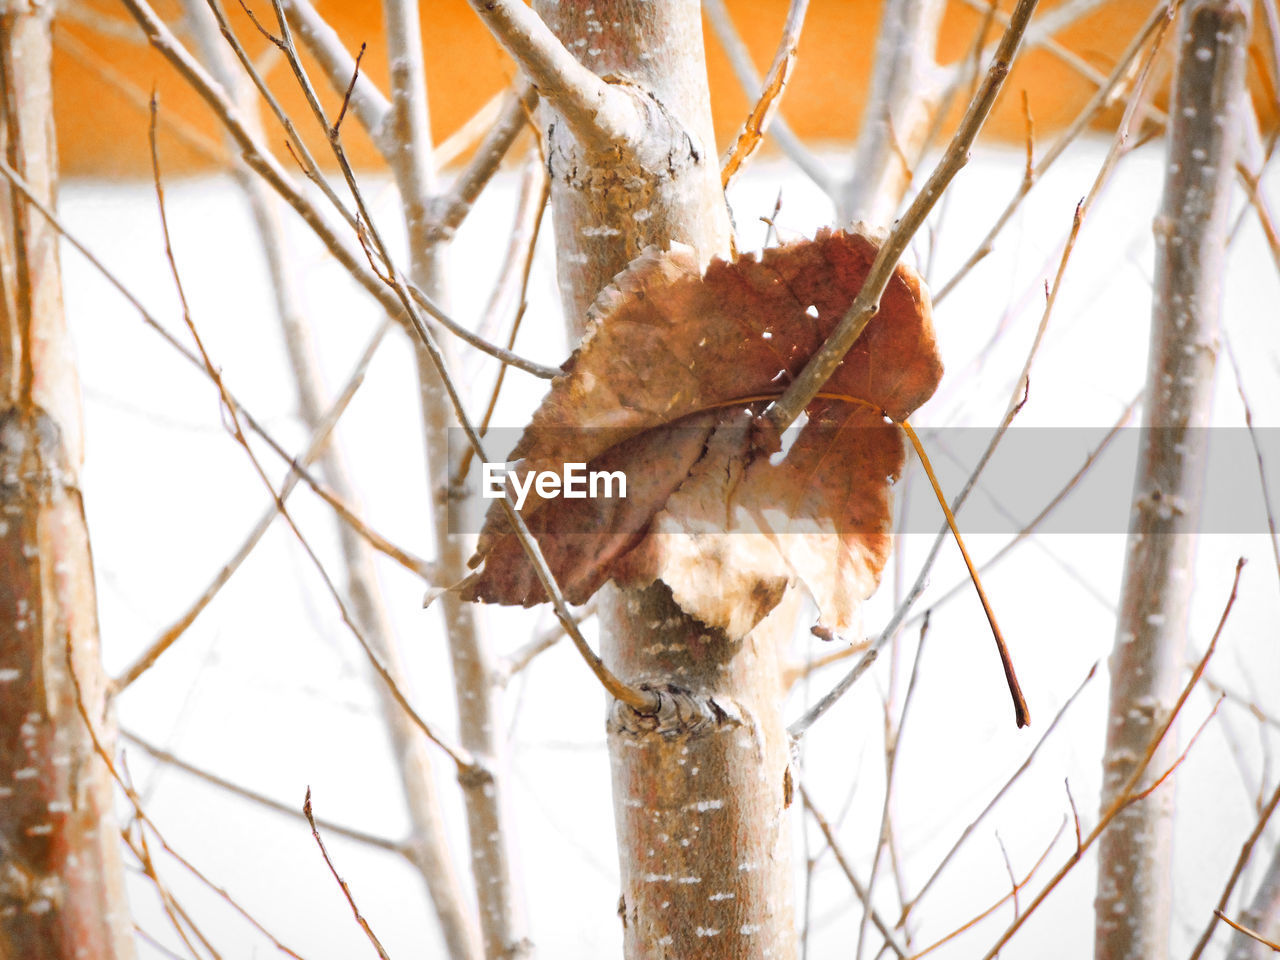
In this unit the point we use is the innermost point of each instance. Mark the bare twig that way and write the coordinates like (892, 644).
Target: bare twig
(520, 658)
(368, 103)
(1150, 36)
(1252, 183)
(136, 802)
(1123, 796)
(761, 115)
(261, 161)
(460, 757)
(822, 364)
(1246, 851)
(811, 716)
(991, 804)
(1038, 38)
(493, 872)
(1026, 531)
(1169, 771)
(1257, 452)
(1075, 813)
(462, 333)
(510, 289)
(1251, 934)
(891, 764)
(472, 131)
(154, 944)
(178, 917)
(346, 891)
(427, 847)
(744, 70)
(829, 835)
(1017, 396)
(1018, 885)
(297, 146)
(320, 436)
(1013, 880)
(244, 793)
(1261, 913)
(524, 239)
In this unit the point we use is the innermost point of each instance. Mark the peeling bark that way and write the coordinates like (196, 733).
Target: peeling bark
(1134, 879)
(61, 880)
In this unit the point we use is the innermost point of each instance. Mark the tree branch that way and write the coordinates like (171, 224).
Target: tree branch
(171, 760)
(749, 79)
(368, 103)
(448, 210)
(761, 116)
(265, 165)
(822, 365)
(1123, 797)
(1266, 901)
(900, 108)
(600, 114)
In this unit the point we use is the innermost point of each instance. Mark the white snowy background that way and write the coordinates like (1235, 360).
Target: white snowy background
(269, 690)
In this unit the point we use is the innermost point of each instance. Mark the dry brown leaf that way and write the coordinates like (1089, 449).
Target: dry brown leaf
(664, 386)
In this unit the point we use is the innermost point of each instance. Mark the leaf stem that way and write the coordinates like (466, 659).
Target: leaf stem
(1021, 714)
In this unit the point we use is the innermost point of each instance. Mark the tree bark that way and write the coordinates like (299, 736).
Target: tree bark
(703, 839)
(1134, 878)
(61, 879)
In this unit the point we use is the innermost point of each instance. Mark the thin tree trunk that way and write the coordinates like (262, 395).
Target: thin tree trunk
(489, 825)
(1134, 879)
(428, 845)
(61, 880)
(703, 839)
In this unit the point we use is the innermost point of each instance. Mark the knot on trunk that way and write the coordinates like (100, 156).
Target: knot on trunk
(679, 714)
(664, 150)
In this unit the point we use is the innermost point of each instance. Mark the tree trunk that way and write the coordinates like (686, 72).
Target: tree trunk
(703, 840)
(1134, 877)
(61, 880)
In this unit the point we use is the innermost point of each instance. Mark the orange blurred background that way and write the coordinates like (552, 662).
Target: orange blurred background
(104, 71)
